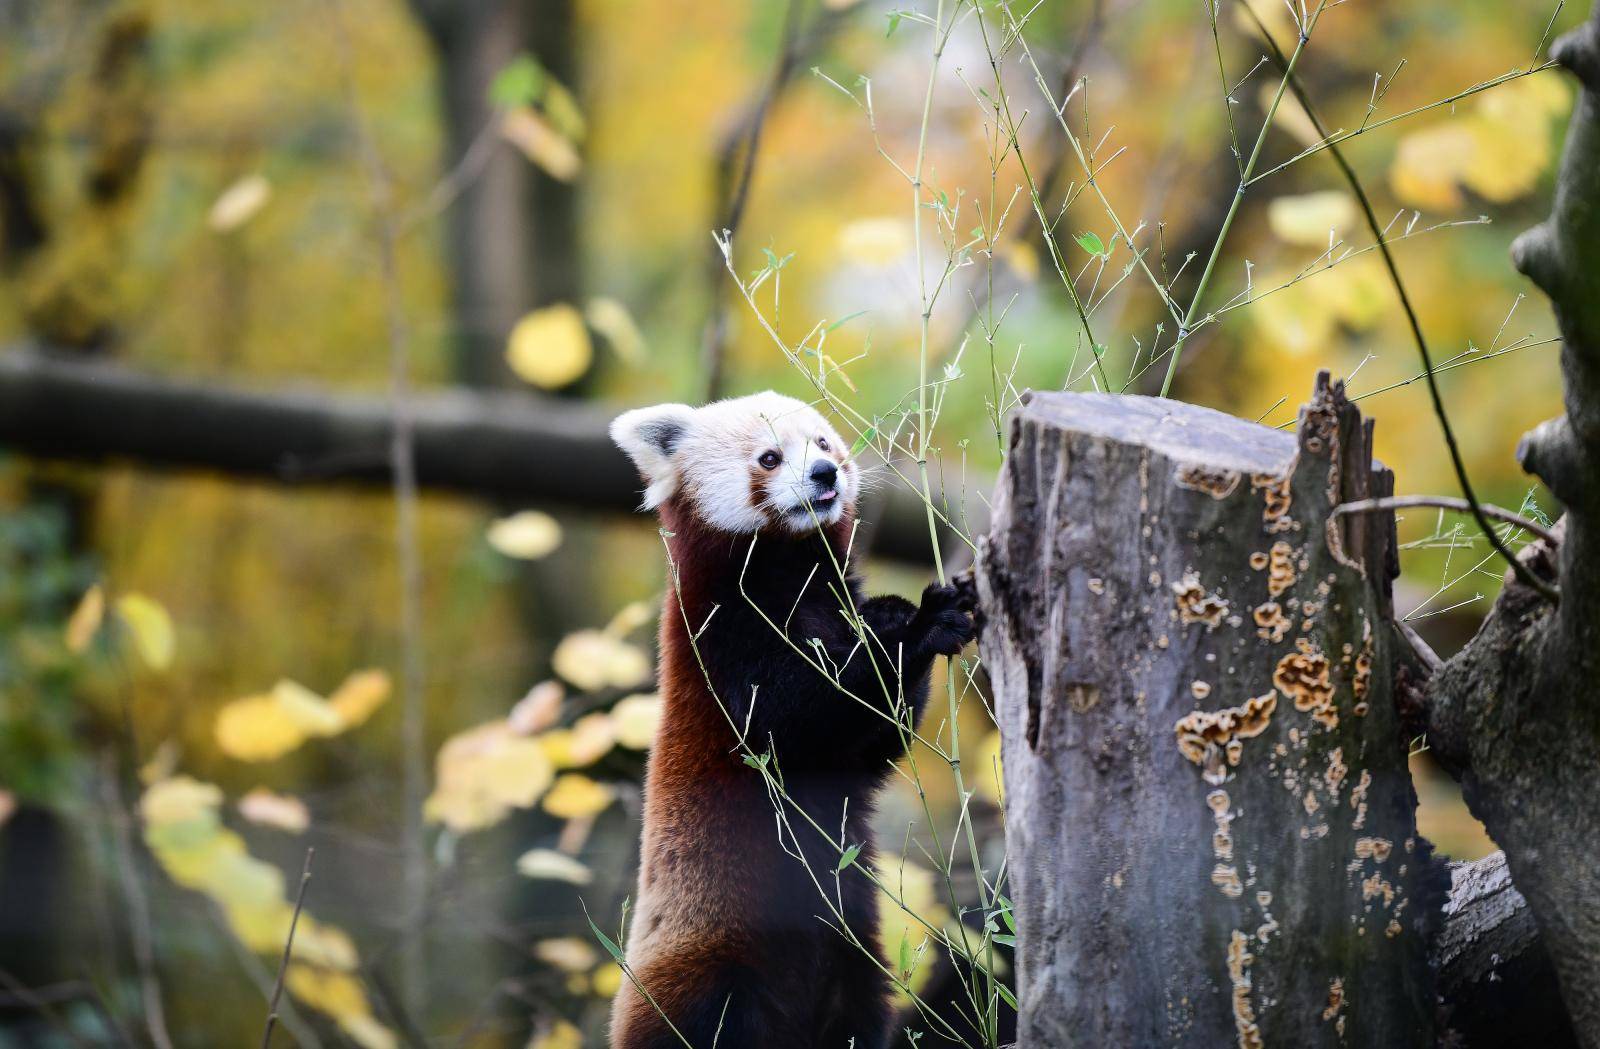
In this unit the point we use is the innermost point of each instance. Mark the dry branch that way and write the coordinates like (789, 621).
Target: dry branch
(501, 446)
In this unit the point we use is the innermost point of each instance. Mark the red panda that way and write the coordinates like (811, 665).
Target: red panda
(731, 939)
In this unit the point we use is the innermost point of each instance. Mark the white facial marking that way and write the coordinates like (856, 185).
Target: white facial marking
(744, 464)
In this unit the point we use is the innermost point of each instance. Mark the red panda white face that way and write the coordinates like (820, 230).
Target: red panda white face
(745, 464)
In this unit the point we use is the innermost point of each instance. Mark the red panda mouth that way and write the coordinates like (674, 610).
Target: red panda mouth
(826, 497)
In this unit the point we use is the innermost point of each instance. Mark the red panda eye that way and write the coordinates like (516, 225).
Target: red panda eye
(770, 460)
(822, 442)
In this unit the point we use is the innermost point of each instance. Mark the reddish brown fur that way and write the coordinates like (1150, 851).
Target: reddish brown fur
(727, 935)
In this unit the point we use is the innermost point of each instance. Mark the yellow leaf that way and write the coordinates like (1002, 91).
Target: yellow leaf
(1309, 218)
(636, 719)
(341, 997)
(368, 1033)
(257, 728)
(576, 796)
(1291, 322)
(550, 347)
(987, 761)
(559, 1035)
(529, 131)
(324, 945)
(485, 772)
(306, 709)
(363, 692)
(161, 763)
(262, 806)
(593, 736)
(567, 953)
(260, 728)
(85, 620)
(917, 889)
(538, 710)
(1507, 161)
(1022, 258)
(528, 535)
(593, 659)
(550, 865)
(611, 319)
(1292, 116)
(239, 203)
(1499, 150)
(151, 628)
(876, 241)
(183, 832)
(589, 739)
(333, 993)
(607, 980)
(180, 799)
(1356, 290)
(630, 617)
(1428, 164)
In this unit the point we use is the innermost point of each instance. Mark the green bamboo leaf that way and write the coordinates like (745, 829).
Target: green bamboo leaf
(849, 856)
(605, 941)
(519, 83)
(1091, 243)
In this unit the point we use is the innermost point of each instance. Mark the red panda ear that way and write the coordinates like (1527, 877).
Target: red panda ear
(649, 436)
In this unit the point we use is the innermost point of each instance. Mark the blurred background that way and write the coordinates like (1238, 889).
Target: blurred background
(237, 240)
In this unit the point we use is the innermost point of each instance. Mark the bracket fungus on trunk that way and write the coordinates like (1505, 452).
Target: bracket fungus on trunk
(1222, 849)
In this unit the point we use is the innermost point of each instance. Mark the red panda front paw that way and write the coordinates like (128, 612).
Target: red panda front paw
(945, 619)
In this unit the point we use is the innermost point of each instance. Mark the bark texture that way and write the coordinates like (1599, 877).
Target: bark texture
(1514, 714)
(1211, 825)
(1495, 979)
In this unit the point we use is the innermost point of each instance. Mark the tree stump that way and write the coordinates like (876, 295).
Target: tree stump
(1210, 822)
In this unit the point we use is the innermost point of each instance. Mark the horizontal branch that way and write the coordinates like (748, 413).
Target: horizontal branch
(496, 445)
(1495, 977)
(1446, 502)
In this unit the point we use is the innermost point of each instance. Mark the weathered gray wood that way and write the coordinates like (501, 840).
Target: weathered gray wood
(1496, 982)
(1210, 823)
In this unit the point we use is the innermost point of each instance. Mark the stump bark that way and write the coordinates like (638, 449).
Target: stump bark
(1211, 829)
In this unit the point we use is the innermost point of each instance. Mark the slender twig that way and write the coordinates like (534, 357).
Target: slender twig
(1523, 573)
(474, 160)
(288, 948)
(1193, 314)
(403, 467)
(1498, 513)
(262, 977)
(742, 147)
(44, 1004)
(139, 924)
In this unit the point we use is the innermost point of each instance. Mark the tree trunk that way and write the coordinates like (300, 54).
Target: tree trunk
(1514, 713)
(1210, 823)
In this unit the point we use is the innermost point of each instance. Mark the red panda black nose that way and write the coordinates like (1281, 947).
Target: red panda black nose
(824, 473)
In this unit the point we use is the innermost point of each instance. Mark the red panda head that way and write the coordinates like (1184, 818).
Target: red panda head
(743, 465)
